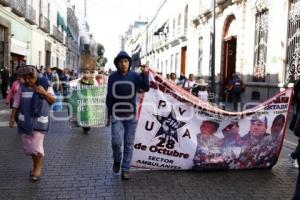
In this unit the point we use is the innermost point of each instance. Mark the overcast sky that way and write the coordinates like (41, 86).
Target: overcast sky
(108, 19)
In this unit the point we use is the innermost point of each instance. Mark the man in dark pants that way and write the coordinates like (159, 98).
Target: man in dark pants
(5, 81)
(296, 154)
(121, 106)
(235, 88)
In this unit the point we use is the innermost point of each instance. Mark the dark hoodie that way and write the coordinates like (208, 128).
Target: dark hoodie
(125, 87)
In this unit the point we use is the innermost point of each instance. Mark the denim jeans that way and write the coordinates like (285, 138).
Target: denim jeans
(125, 128)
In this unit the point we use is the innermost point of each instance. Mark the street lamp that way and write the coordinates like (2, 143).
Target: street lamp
(213, 78)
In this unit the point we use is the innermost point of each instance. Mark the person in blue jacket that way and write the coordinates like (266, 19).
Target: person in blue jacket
(121, 107)
(31, 113)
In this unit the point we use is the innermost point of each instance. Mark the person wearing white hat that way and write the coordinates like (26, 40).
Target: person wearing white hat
(201, 90)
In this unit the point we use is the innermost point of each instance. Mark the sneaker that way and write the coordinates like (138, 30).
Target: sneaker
(295, 164)
(125, 175)
(291, 160)
(116, 167)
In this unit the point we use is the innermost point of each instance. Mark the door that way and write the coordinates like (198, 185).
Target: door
(293, 43)
(228, 62)
(48, 59)
(183, 60)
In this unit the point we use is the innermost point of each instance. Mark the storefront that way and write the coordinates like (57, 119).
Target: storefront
(5, 33)
(19, 52)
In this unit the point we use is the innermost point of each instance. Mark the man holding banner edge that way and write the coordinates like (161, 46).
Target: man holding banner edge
(121, 108)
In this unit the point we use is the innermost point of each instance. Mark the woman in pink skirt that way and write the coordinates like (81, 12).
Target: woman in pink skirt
(31, 113)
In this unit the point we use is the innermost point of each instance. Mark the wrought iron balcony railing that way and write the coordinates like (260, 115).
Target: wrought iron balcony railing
(44, 24)
(71, 44)
(30, 15)
(74, 46)
(57, 34)
(18, 7)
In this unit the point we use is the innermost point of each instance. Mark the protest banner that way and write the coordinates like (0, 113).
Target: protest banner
(87, 106)
(178, 131)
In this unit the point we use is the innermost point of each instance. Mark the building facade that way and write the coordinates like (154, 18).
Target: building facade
(258, 39)
(72, 39)
(36, 32)
(134, 40)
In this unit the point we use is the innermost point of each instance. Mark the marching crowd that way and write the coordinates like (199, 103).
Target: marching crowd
(32, 93)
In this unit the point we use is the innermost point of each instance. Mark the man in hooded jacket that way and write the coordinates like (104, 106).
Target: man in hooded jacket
(121, 107)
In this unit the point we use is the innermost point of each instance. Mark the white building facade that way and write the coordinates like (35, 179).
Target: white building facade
(257, 39)
(35, 32)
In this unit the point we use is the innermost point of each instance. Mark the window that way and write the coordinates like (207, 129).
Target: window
(167, 70)
(293, 42)
(179, 20)
(200, 56)
(172, 63)
(261, 41)
(179, 24)
(41, 7)
(2, 33)
(173, 28)
(57, 62)
(40, 59)
(177, 69)
(185, 19)
(48, 11)
(53, 61)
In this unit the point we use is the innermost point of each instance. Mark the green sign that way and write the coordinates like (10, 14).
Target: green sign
(87, 105)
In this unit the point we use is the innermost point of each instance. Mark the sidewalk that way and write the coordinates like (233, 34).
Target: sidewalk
(4, 113)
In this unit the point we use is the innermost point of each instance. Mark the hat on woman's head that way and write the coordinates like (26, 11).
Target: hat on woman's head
(201, 82)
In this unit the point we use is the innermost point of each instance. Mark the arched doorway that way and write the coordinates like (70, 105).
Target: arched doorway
(229, 53)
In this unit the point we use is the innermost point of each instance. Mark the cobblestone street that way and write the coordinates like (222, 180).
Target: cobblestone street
(78, 166)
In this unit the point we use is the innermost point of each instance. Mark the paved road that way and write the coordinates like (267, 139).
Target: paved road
(78, 166)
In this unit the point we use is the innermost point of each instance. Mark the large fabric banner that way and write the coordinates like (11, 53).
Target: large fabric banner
(87, 106)
(176, 130)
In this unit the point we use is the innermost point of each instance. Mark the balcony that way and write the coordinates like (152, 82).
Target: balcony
(71, 45)
(30, 15)
(74, 46)
(205, 8)
(57, 34)
(5, 2)
(44, 24)
(18, 7)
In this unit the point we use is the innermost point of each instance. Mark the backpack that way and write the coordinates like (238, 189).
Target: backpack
(237, 87)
